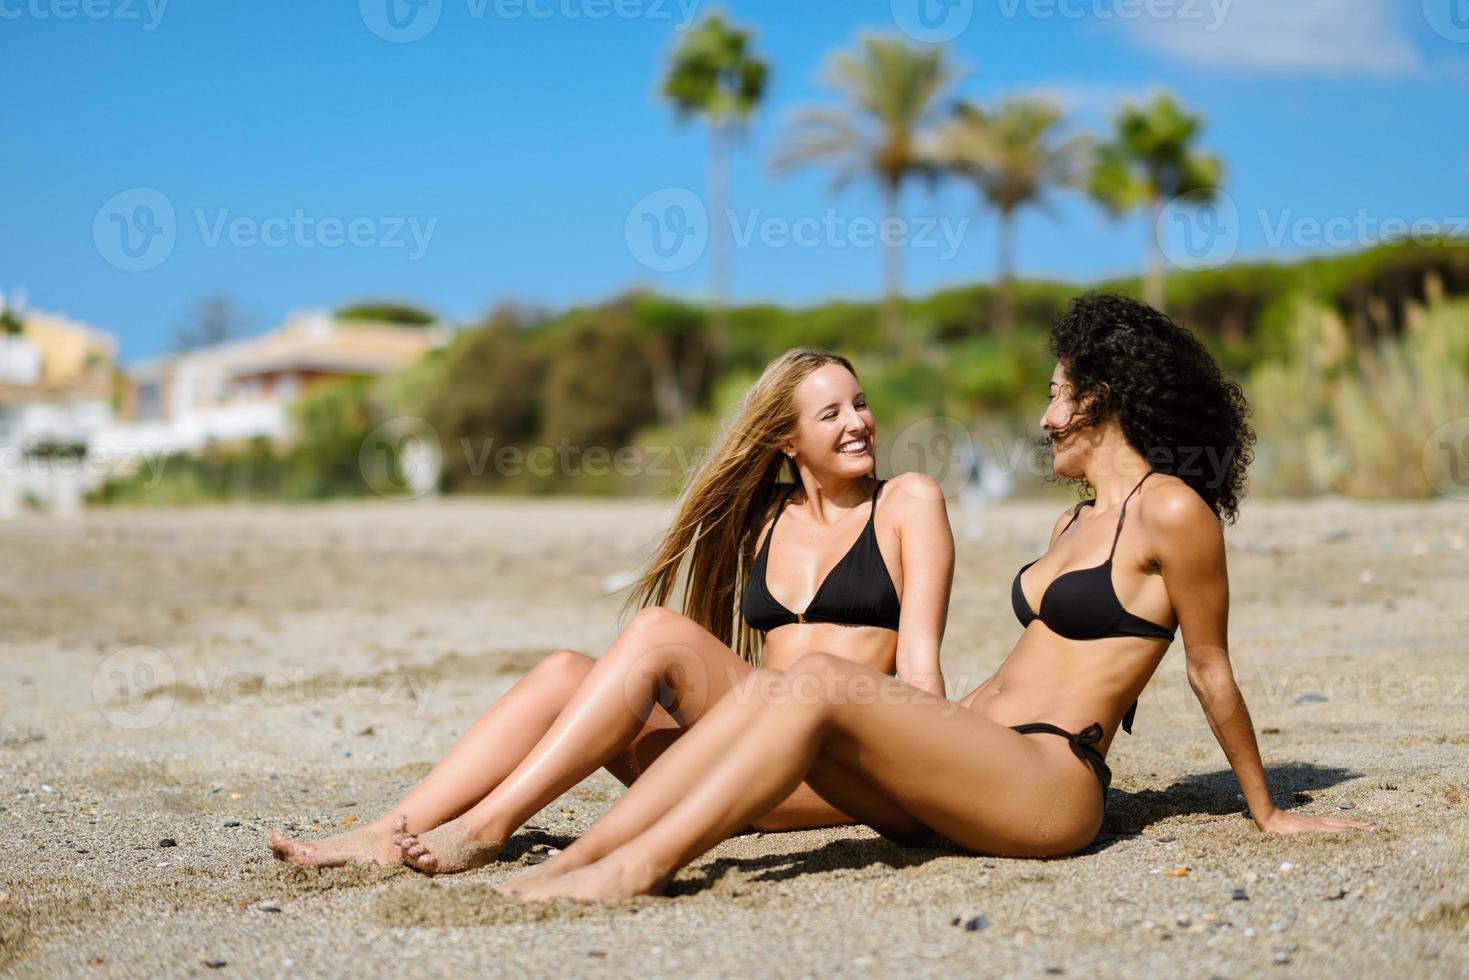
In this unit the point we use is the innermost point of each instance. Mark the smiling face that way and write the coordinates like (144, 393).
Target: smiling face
(834, 427)
(1068, 451)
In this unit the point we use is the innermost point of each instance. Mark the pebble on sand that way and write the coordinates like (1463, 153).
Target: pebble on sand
(168, 842)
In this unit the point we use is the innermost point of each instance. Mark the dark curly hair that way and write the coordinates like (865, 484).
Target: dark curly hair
(1126, 359)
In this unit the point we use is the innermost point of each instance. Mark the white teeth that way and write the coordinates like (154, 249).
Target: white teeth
(853, 447)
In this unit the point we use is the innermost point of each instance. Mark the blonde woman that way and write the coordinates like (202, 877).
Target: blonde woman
(867, 563)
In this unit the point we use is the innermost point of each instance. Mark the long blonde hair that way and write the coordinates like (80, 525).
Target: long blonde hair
(720, 511)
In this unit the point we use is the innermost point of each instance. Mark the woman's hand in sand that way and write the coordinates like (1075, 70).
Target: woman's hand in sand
(1287, 822)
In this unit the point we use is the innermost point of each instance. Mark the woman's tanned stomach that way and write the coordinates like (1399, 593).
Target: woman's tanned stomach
(870, 646)
(1069, 683)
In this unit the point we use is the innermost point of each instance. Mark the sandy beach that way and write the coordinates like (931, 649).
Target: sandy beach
(177, 683)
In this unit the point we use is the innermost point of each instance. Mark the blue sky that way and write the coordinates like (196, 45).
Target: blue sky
(516, 136)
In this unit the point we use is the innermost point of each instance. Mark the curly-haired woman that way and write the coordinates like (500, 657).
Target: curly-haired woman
(1139, 411)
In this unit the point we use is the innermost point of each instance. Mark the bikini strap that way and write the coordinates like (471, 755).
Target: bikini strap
(771, 533)
(1123, 516)
(872, 515)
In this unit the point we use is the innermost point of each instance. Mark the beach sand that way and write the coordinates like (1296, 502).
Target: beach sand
(203, 676)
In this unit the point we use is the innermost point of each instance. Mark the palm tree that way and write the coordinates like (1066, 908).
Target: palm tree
(1015, 155)
(1149, 162)
(886, 132)
(713, 74)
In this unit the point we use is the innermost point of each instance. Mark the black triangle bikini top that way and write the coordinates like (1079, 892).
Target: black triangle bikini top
(858, 591)
(1083, 604)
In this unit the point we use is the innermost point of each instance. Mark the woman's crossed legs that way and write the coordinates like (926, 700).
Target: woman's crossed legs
(899, 759)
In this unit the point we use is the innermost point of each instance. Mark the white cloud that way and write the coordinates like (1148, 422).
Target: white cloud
(1310, 36)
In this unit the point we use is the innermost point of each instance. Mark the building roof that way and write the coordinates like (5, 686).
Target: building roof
(309, 341)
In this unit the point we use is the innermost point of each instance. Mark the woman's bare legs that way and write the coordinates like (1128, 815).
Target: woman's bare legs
(680, 769)
(662, 660)
(979, 783)
(483, 755)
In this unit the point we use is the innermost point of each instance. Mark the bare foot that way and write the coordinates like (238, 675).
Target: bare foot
(515, 887)
(447, 849)
(606, 880)
(365, 845)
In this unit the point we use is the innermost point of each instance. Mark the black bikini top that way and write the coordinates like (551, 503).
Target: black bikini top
(858, 591)
(1083, 604)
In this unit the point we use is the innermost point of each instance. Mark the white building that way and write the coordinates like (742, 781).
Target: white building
(243, 389)
(56, 391)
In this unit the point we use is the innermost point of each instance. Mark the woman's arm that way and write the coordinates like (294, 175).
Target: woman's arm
(927, 556)
(1190, 549)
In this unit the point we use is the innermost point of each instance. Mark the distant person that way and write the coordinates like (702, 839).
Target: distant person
(1140, 412)
(868, 563)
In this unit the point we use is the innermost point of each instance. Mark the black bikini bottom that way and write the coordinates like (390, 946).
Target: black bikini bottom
(1083, 743)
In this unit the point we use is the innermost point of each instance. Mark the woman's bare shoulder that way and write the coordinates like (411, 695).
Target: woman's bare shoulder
(914, 496)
